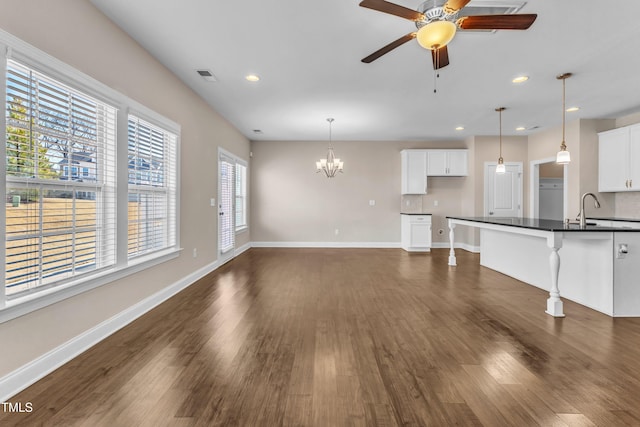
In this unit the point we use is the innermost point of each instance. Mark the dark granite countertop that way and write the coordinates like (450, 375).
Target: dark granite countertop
(616, 219)
(540, 224)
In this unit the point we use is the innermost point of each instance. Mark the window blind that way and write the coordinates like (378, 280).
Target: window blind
(152, 199)
(60, 181)
(241, 196)
(226, 228)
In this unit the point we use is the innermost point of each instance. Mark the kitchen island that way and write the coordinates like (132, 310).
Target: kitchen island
(595, 266)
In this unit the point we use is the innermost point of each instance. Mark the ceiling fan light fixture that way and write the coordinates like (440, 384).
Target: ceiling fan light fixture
(436, 34)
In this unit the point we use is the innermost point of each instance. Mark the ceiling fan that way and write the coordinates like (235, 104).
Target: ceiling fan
(437, 22)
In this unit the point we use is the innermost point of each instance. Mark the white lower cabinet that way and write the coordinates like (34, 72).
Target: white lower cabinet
(416, 232)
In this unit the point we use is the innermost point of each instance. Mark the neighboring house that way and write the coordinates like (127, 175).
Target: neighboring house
(78, 166)
(81, 167)
(145, 172)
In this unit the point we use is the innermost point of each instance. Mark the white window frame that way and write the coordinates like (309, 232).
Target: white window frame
(244, 225)
(12, 47)
(168, 188)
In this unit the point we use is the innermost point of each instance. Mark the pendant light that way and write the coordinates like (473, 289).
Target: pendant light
(563, 156)
(331, 165)
(500, 168)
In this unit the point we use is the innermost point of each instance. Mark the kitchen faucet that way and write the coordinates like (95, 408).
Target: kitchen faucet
(581, 215)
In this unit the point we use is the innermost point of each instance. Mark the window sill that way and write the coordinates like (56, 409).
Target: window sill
(28, 303)
(242, 229)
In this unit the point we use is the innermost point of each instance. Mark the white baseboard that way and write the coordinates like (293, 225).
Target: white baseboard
(26, 375)
(464, 246)
(325, 244)
(241, 249)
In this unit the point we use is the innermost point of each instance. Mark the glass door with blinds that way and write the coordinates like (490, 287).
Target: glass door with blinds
(226, 226)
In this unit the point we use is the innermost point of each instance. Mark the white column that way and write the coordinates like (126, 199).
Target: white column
(554, 303)
(452, 254)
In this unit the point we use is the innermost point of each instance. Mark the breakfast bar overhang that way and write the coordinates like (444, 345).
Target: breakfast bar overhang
(598, 267)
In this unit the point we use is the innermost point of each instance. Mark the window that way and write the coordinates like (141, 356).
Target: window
(152, 161)
(241, 196)
(77, 214)
(56, 228)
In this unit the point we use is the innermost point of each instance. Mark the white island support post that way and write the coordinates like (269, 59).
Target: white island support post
(452, 254)
(554, 303)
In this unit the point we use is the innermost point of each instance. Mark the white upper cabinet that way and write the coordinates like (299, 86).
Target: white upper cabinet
(414, 171)
(619, 159)
(447, 163)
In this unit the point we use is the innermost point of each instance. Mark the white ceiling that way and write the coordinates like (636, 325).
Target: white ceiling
(308, 53)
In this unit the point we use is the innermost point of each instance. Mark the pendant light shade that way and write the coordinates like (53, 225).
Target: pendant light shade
(331, 165)
(563, 157)
(500, 168)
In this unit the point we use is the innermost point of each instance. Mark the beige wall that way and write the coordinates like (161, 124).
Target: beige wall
(551, 170)
(105, 53)
(582, 142)
(291, 203)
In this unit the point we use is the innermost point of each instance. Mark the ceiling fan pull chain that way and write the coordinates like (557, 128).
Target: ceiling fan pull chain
(436, 71)
(435, 84)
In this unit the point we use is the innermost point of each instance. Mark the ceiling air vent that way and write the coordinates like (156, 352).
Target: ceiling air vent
(207, 75)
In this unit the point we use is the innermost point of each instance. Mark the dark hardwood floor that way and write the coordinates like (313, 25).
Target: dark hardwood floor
(341, 337)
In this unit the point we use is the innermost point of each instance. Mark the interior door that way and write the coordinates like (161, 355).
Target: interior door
(503, 193)
(226, 226)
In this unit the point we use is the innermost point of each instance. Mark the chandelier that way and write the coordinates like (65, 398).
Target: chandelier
(331, 165)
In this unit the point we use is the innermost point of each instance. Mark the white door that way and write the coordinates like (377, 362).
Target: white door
(503, 193)
(226, 227)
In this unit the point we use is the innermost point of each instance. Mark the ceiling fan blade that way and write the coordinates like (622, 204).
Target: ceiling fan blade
(388, 48)
(452, 6)
(393, 9)
(440, 57)
(497, 22)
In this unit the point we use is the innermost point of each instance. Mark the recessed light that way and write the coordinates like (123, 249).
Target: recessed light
(252, 78)
(520, 79)
(572, 109)
(460, 128)
(520, 128)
